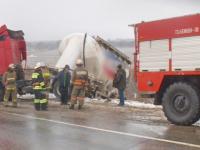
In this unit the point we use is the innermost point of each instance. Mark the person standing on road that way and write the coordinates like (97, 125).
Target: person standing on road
(64, 78)
(20, 77)
(119, 82)
(79, 80)
(38, 84)
(9, 81)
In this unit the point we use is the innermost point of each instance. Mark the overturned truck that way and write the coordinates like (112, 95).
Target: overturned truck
(99, 57)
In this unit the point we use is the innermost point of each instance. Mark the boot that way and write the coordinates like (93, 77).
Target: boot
(44, 106)
(5, 103)
(37, 107)
(14, 104)
(79, 107)
(72, 106)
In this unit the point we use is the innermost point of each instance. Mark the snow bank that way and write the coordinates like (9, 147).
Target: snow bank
(26, 96)
(31, 96)
(129, 103)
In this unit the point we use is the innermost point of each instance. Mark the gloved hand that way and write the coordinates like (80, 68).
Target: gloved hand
(36, 84)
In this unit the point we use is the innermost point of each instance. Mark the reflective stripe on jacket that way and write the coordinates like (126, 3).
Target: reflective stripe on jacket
(38, 81)
(79, 82)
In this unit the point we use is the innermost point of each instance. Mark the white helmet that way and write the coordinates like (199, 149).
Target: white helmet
(12, 66)
(38, 65)
(79, 62)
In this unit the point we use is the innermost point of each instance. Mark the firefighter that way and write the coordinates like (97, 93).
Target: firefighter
(40, 100)
(79, 79)
(9, 81)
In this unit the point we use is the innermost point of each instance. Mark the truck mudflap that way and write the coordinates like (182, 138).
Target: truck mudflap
(1, 89)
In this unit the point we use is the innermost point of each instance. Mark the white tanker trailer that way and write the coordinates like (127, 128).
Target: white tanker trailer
(99, 57)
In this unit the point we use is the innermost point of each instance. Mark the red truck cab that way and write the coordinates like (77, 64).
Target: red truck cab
(167, 65)
(12, 48)
(12, 51)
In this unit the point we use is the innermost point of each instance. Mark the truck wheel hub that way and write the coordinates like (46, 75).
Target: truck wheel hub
(180, 103)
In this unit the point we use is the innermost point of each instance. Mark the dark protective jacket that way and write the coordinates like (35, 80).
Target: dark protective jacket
(9, 79)
(63, 78)
(120, 79)
(19, 72)
(38, 81)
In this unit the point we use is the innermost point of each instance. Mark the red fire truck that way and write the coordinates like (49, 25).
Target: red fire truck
(12, 50)
(167, 65)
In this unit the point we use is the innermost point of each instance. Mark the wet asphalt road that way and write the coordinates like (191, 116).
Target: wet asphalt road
(93, 128)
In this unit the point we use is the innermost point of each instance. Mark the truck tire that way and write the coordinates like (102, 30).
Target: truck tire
(2, 90)
(181, 104)
(56, 89)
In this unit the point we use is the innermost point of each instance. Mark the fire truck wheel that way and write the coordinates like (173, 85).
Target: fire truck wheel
(181, 104)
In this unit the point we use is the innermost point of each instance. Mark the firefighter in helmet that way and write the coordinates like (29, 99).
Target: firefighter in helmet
(40, 101)
(79, 79)
(9, 81)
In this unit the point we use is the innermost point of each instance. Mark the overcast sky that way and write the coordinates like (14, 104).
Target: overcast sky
(54, 19)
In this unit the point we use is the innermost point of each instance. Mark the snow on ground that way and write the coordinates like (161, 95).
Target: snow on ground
(52, 96)
(26, 96)
(31, 96)
(128, 103)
